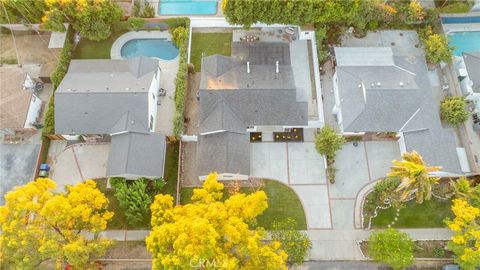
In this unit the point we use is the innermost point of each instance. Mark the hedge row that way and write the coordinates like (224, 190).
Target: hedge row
(57, 77)
(179, 28)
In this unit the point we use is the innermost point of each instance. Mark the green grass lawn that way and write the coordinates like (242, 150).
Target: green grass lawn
(456, 7)
(209, 44)
(88, 49)
(119, 220)
(430, 214)
(282, 203)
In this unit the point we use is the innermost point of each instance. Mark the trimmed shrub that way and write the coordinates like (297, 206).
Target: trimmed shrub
(134, 199)
(452, 110)
(135, 23)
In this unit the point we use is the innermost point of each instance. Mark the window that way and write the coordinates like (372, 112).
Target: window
(151, 122)
(153, 96)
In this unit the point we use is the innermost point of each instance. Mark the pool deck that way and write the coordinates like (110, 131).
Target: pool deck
(115, 51)
(460, 27)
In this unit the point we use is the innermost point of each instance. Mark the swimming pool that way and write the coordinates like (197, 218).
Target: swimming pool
(187, 7)
(464, 42)
(160, 48)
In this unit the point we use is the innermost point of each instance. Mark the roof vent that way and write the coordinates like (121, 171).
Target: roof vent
(379, 84)
(132, 122)
(248, 67)
(401, 84)
(276, 67)
(69, 89)
(126, 88)
(106, 87)
(372, 84)
(111, 75)
(359, 85)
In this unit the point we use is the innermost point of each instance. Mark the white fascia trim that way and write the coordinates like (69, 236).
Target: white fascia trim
(213, 132)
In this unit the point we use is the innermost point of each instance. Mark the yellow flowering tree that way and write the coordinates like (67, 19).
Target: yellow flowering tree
(465, 241)
(209, 233)
(40, 225)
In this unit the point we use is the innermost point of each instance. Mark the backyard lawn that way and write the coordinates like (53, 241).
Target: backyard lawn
(88, 49)
(282, 203)
(430, 214)
(119, 220)
(209, 44)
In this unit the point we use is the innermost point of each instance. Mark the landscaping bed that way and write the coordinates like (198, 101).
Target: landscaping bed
(282, 203)
(429, 214)
(422, 249)
(209, 44)
(119, 220)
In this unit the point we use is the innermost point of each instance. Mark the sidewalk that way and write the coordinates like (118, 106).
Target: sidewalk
(326, 244)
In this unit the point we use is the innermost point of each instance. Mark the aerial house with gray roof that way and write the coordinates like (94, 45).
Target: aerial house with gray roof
(377, 91)
(114, 100)
(254, 90)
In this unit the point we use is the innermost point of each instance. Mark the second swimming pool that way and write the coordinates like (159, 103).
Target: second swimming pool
(464, 42)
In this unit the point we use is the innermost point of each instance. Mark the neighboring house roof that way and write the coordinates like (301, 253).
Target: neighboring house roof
(223, 152)
(99, 96)
(472, 63)
(14, 101)
(393, 94)
(136, 154)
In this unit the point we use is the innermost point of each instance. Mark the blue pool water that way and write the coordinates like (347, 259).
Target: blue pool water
(464, 42)
(187, 7)
(159, 48)
(471, 19)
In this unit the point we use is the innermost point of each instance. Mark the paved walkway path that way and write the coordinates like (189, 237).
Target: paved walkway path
(326, 244)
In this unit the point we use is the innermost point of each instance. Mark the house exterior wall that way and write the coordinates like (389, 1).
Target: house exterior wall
(152, 99)
(33, 111)
(337, 108)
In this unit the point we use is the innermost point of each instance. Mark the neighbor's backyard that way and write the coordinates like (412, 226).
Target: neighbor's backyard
(119, 220)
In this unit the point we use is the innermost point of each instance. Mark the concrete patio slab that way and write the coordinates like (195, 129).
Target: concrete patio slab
(17, 165)
(380, 155)
(269, 160)
(352, 173)
(342, 214)
(316, 205)
(79, 162)
(306, 166)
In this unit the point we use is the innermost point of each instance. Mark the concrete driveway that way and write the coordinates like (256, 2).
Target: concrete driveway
(303, 169)
(17, 165)
(76, 163)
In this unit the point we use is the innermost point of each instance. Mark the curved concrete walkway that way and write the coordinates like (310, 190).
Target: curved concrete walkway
(115, 51)
(362, 194)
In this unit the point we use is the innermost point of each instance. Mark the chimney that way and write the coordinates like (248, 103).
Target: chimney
(276, 66)
(248, 67)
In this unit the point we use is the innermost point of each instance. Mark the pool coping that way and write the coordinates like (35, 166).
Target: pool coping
(460, 27)
(115, 51)
(158, 14)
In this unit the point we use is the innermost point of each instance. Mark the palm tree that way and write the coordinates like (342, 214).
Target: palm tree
(415, 175)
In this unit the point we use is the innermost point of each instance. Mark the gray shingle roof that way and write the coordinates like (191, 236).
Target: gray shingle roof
(96, 95)
(262, 53)
(134, 155)
(97, 113)
(437, 147)
(223, 152)
(402, 102)
(472, 62)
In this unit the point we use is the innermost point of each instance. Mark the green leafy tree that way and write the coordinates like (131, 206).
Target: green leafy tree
(148, 11)
(415, 175)
(436, 46)
(93, 19)
(15, 11)
(452, 110)
(391, 247)
(327, 142)
(134, 199)
(295, 243)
